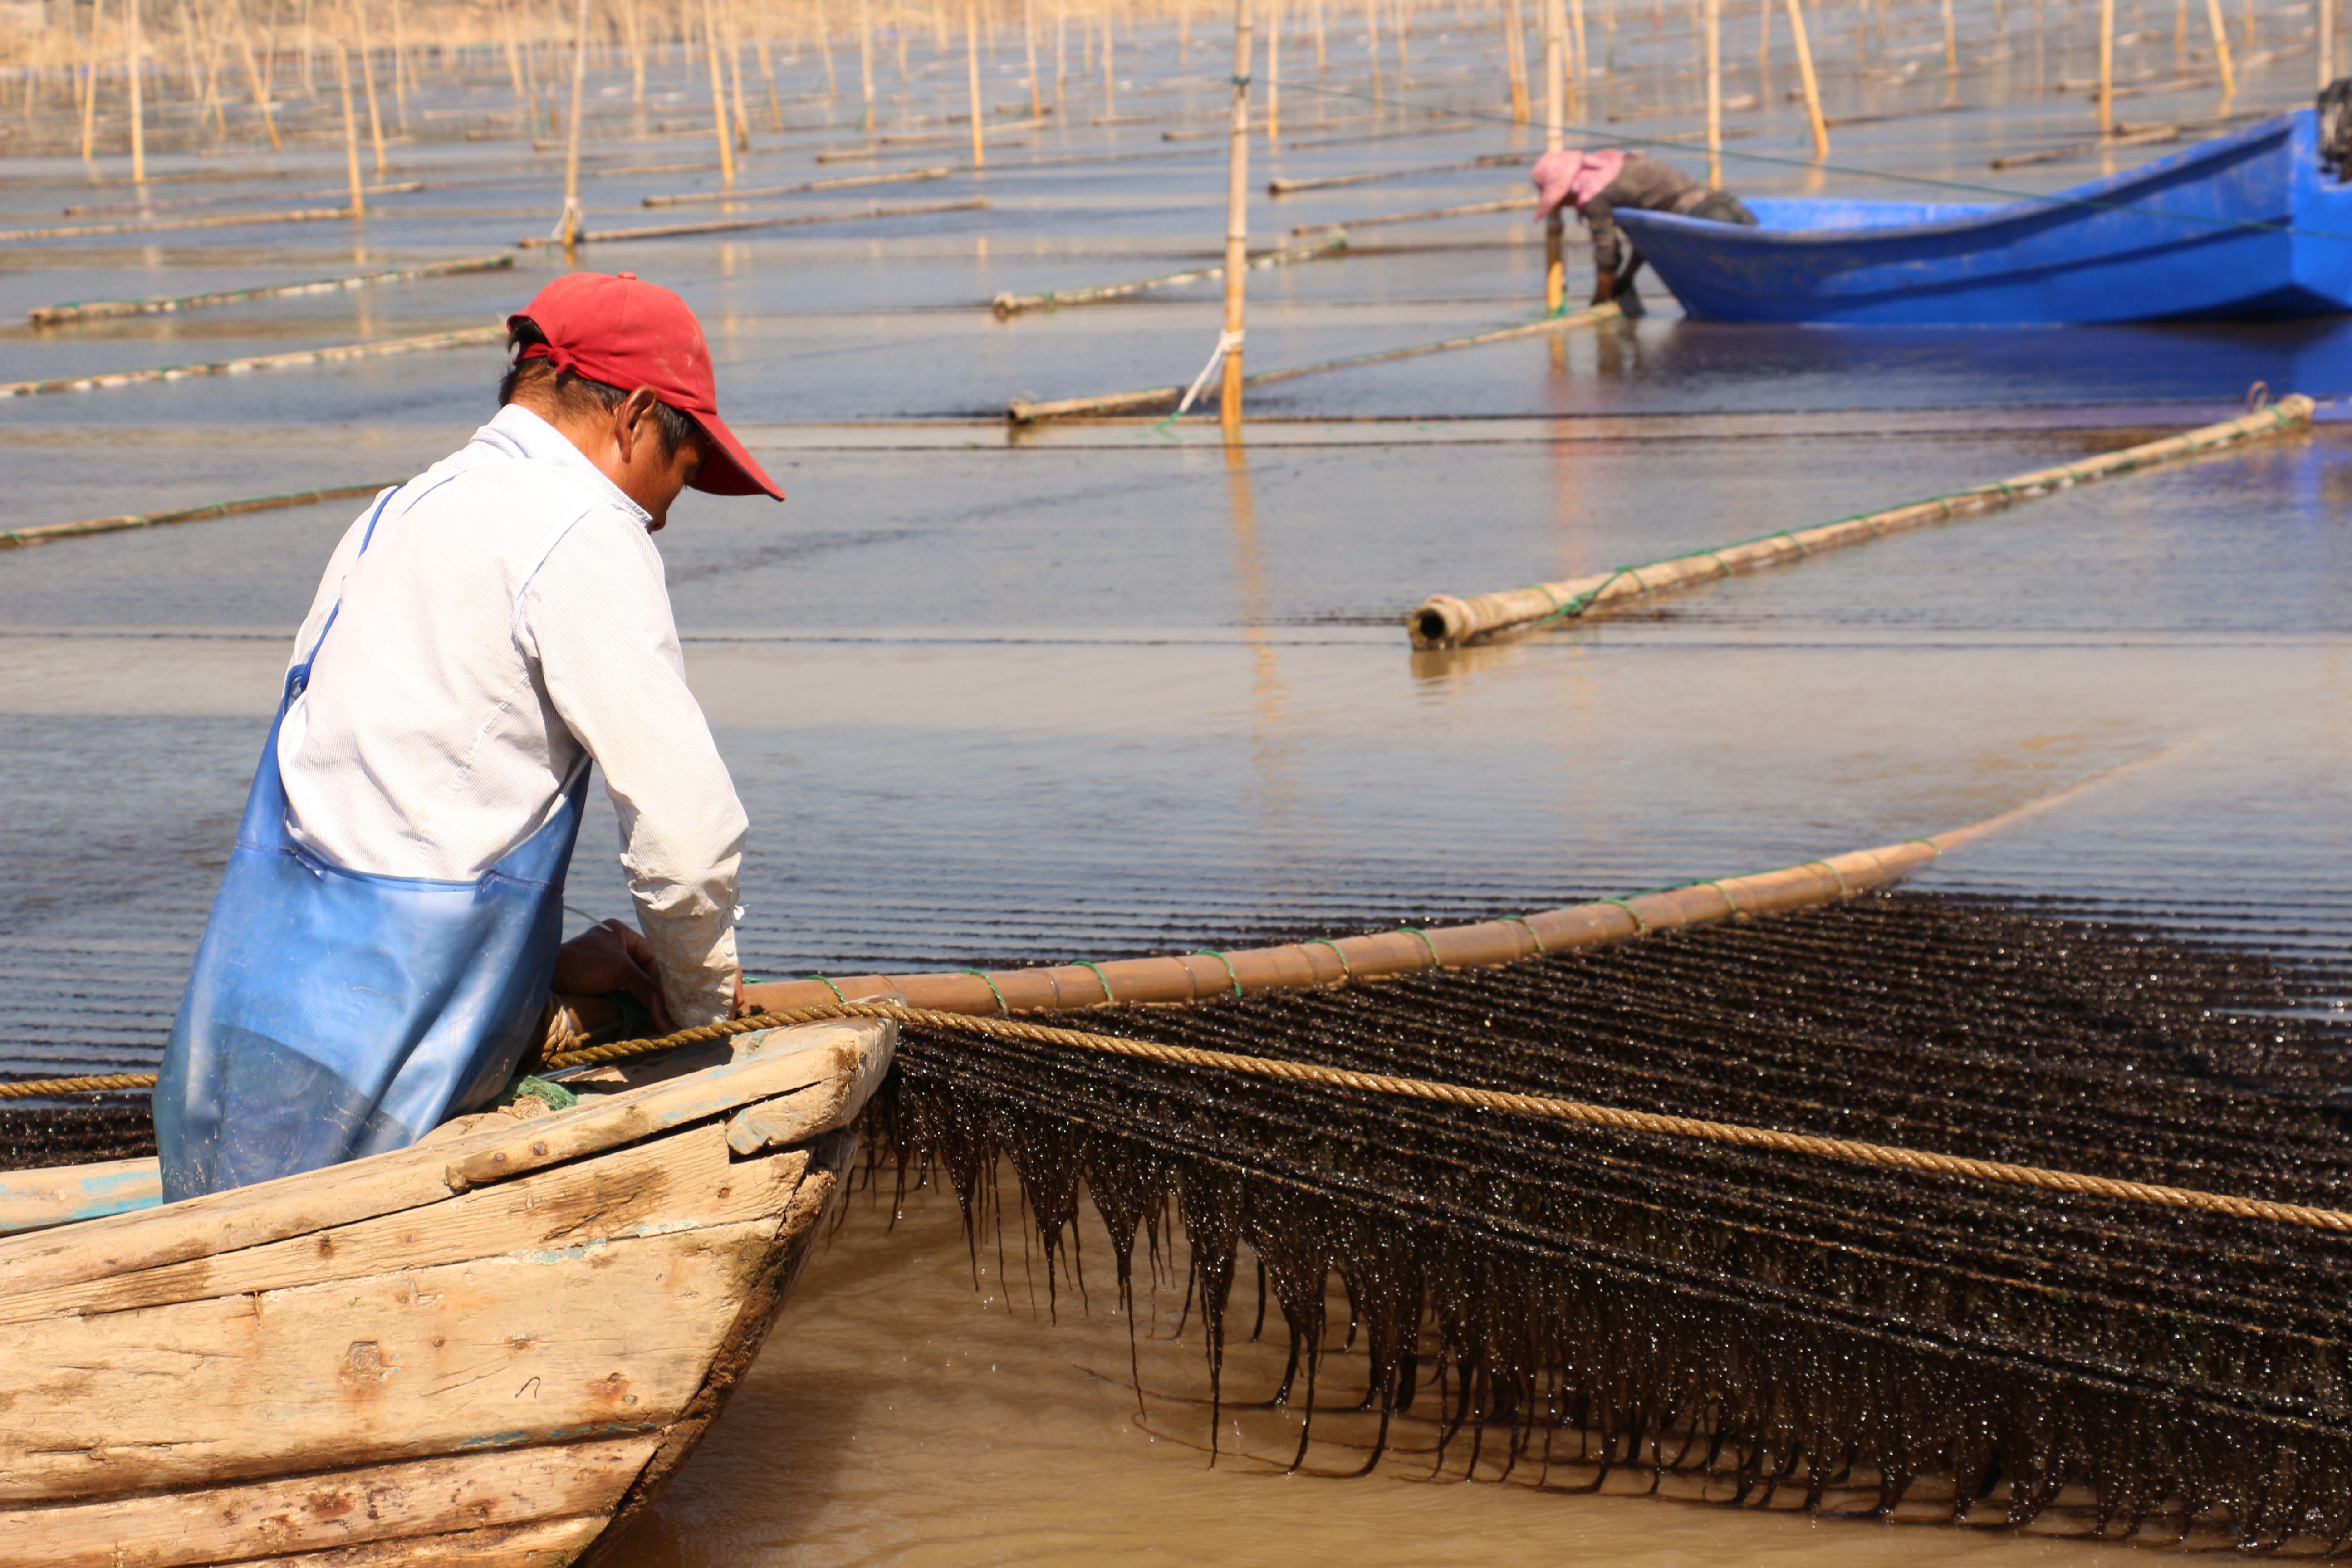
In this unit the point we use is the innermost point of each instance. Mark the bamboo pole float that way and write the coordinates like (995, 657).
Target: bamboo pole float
(1445, 621)
(689, 197)
(350, 132)
(1229, 345)
(1216, 976)
(48, 532)
(134, 46)
(568, 225)
(1468, 209)
(1006, 305)
(972, 75)
(1714, 9)
(1023, 411)
(2221, 51)
(90, 85)
(465, 337)
(1326, 182)
(730, 226)
(1805, 74)
(253, 75)
(718, 100)
(93, 309)
(2106, 104)
(367, 74)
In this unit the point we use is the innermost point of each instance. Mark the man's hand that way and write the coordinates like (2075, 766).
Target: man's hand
(613, 957)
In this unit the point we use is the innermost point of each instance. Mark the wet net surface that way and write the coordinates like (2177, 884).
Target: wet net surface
(1482, 1294)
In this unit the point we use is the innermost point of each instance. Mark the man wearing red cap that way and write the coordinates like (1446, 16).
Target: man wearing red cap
(386, 932)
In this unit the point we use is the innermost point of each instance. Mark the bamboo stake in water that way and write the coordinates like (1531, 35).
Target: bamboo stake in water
(2106, 104)
(567, 227)
(1714, 92)
(1029, 41)
(718, 99)
(135, 46)
(971, 74)
(1579, 63)
(367, 74)
(351, 130)
(1764, 52)
(400, 68)
(253, 75)
(1229, 394)
(90, 84)
(1110, 95)
(825, 46)
(1812, 86)
(1555, 226)
(1274, 80)
(866, 59)
(2221, 51)
(2327, 42)
(1515, 60)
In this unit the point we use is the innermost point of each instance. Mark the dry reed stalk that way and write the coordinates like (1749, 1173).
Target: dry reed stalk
(1443, 620)
(732, 226)
(379, 347)
(1229, 399)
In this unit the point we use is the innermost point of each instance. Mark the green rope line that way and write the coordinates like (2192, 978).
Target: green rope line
(1930, 844)
(1228, 963)
(1610, 136)
(1533, 935)
(829, 986)
(1435, 962)
(1717, 883)
(1108, 999)
(1347, 970)
(1003, 1008)
(1844, 891)
(1641, 926)
(1719, 561)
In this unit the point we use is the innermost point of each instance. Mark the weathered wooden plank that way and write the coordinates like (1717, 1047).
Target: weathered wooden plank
(797, 1118)
(687, 1181)
(64, 1194)
(300, 1204)
(550, 1543)
(834, 1051)
(597, 1339)
(424, 1498)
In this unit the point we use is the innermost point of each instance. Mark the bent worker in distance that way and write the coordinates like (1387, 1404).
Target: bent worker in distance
(1597, 182)
(381, 951)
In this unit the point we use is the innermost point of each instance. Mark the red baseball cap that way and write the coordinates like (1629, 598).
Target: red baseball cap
(628, 333)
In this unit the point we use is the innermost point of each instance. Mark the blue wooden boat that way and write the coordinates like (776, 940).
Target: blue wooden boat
(2253, 225)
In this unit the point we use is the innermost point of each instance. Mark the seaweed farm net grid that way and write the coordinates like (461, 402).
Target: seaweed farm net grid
(1561, 1304)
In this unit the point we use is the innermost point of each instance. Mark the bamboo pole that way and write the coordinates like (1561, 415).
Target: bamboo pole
(1372, 38)
(718, 99)
(367, 74)
(833, 184)
(1714, 92)
(636, 24)
(1061, 50)
(1229, 394)
(90, 86)
(2221, 51)
(767, 67)
(972, 75)
(1554, 114)
(253, 75)
(1764, 52)
(567, 227)
(734, 48)
(1445, 621)
(864, 57)
(2326, 43)
(732, 225)
(44, 533)
(401, 73)
(2107, 98)
(1468, 209)
(135, 42)
(1812, 85)
(1007, 306)
(372, 349)
(1029, 41)
(1515, 60)
(1024, 411)
(825, 46)
(1110, 79)
(1274, 80)
(93, 309)
(351, 130)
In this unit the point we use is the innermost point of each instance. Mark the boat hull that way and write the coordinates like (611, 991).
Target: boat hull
(2247, 226)
(494, 1347)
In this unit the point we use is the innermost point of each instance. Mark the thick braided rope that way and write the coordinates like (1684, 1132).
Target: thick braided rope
(27, 1089)
(1612, 1117)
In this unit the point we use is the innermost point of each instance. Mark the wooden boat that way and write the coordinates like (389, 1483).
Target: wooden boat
(2255, 224)
(490, 1348)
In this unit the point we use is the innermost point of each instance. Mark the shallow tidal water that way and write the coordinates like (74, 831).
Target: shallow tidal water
(1026, 696)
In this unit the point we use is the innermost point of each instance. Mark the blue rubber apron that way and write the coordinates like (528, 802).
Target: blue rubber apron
(332, 1014)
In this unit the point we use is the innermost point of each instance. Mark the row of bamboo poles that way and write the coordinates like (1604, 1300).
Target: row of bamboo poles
(230, 53)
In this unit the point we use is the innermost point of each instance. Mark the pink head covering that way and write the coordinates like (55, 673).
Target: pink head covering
(1574, 177)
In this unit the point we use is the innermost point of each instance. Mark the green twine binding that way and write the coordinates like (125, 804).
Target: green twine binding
(1930, 844)
(1228, 963)
(1002, 1010)
(1347, 970)
(1641, 926)
(1728, 898)
(829, 986)
(1844, 891)
(1109, 1000)
(1533, 935)
(1434, 961)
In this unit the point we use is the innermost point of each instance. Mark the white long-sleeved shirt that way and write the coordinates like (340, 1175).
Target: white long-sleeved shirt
(508, 614)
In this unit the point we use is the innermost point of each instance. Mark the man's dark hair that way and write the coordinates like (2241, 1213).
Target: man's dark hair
(575, 393)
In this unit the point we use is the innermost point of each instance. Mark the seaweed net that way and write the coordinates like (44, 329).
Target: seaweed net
(1577, 1308)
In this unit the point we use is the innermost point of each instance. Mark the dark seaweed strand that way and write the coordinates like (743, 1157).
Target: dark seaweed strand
(1792, 1328)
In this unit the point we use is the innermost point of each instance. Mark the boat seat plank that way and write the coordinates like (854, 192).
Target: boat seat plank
(409, 1178)
(465, 1494)
(684, 1182)
(605, 1338)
